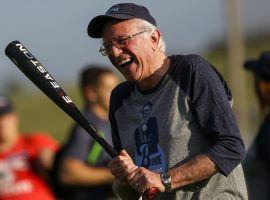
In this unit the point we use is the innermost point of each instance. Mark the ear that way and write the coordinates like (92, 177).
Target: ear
(155, 38)
(90, 94)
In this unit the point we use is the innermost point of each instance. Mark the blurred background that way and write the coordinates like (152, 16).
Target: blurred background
(225, 32)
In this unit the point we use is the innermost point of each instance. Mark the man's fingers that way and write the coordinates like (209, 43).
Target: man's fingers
(124, 174)
(125, 154)
(131, 172)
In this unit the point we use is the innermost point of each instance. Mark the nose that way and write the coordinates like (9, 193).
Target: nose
(116, 51)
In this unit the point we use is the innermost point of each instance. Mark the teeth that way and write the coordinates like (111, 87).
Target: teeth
(124, 61)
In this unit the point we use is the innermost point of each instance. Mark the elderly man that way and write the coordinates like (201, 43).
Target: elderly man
(171, 121)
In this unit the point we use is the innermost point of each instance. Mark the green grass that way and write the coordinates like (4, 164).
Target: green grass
(38, 113)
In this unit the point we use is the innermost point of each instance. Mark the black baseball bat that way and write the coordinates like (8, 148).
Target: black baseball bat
(35, 71)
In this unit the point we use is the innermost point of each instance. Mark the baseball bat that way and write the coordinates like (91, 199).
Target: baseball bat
(35, 71)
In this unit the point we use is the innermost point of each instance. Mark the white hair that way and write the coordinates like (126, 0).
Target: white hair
(146, 25)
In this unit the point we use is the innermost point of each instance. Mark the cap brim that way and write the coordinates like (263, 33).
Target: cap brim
(253, 65)
(256, 67)
(95, 26)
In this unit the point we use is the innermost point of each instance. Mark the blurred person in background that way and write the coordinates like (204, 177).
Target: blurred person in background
(25, 159)
(83, 169)
(257, 161)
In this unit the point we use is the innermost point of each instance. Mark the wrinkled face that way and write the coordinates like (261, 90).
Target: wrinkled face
(106, 83)
(134, 59)
(8, 127)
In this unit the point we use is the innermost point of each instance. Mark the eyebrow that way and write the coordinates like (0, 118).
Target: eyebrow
(123, 36)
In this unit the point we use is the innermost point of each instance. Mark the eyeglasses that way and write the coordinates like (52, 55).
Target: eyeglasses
(106, 47)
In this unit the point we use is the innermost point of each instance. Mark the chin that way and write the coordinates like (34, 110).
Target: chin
(133, 79)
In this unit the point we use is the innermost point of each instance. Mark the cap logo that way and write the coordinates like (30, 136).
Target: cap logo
(113, 9)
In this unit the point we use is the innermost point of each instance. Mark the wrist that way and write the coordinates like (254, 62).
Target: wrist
(166, 181)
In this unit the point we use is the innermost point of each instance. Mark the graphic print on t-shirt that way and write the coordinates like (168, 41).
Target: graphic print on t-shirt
(13, 179)
(149, 154)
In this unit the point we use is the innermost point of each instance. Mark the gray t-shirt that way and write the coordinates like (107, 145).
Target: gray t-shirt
(187, 113)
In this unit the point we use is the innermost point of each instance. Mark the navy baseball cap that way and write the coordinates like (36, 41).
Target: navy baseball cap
(118, 11)
(260, 66)
(5, 105)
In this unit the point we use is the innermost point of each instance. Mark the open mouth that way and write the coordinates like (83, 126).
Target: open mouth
(125, 62)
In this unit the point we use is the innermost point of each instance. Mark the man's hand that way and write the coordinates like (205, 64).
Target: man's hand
(122, 166)
(144, 179)
(139, 178)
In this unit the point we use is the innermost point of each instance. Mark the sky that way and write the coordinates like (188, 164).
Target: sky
(55, 31)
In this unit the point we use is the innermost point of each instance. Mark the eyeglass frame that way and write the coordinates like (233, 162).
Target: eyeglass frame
(116, 43)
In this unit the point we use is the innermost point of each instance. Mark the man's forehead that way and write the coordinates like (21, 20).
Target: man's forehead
(118, 28)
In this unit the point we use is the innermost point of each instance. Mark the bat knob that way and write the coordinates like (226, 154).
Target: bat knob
(150, 194)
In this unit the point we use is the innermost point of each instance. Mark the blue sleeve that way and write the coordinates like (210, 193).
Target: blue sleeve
(78, 144)
(121, 92)
(210, 101)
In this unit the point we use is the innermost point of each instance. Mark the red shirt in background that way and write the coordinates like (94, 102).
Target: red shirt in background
(18, 179)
